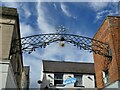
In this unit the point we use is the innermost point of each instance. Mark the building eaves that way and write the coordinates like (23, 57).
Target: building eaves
(68, 67)
(8, 11)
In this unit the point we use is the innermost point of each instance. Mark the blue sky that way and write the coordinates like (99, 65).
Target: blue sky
(82, 18)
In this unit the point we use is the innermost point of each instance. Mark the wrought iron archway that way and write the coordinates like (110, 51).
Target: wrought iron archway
(30, 43)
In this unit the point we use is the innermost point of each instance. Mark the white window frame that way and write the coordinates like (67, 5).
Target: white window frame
(105, 77)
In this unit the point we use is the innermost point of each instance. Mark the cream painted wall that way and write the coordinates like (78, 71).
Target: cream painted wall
(7, 31)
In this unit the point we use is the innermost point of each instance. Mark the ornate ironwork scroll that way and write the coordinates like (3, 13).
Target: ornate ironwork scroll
(31, 43)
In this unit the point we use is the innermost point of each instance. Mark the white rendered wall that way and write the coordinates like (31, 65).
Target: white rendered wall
(114, 85)
(65, 76)
(47, 80)
(88, 81)
(3, 72)
(7, 77)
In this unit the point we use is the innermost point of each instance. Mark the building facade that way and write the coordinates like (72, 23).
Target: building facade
(108, 70)
(25, 77)
(11, 64)
(63, 75)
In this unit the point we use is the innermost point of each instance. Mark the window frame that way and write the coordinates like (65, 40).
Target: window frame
(106, 78)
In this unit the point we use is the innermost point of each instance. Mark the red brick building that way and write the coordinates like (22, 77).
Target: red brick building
(108, 72)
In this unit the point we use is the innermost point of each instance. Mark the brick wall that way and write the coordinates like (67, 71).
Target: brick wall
(108, 32)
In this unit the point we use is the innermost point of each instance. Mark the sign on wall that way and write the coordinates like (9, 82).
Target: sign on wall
(69, 81)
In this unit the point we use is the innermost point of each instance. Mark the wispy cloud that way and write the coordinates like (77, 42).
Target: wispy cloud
(66, 11)
(26, 11)
(68, 53)
(54, 5)
(101, 10)
(105, 13)
(25, 29)
(43, 25)
(97, 6)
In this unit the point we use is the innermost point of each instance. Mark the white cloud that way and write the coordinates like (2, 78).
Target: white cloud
(26, 11)
(65, 10)
(104, 13)
(43, 25)
(25, 30)
(97, 6)
(67, 53)
(101, 10)
(54, 5)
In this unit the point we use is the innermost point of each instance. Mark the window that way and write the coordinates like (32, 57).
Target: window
(105, 77)
(58, 79)
(78, 80)
(110, 54)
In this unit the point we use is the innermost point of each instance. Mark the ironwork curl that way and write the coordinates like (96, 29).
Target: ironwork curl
(30, 43)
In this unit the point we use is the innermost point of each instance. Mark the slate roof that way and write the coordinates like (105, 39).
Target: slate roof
(67, 67)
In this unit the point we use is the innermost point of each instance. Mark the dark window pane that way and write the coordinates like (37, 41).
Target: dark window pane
(58, 79)
(58, 76)
(78, 80)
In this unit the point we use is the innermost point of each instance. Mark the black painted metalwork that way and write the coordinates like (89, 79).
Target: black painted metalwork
(30, 43)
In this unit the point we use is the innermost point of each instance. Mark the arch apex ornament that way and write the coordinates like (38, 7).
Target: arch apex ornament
(61, 29)
(31, 43)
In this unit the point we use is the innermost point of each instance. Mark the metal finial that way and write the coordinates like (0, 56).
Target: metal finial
(61, 29)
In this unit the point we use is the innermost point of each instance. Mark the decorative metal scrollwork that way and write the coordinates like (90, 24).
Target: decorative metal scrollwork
(30, 43)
